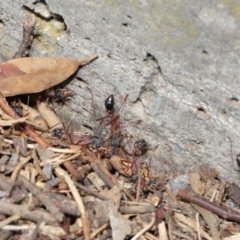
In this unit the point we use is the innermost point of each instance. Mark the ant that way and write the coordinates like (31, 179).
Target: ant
(140, 147)
(77, 139)
(59, 94)
(116, 130)
(139, 171)
(17, 107)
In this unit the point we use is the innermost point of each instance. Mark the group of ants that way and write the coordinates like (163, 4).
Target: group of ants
(114, 140)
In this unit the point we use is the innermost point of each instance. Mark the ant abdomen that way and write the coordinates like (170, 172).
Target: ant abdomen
(238, 159)
(58, 132)
(109, 103)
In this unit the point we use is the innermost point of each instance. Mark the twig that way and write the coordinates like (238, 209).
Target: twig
(221, 192)
(18, 168)
(43, 198)
(138, 181)
(145, 229)
(78, 199)
(57, 150)
(19, 228)
(8, 220)
(28, 28)
(149, 236)
(136, 209)
(7, 109)
(99, 230)
(162, 231)
(23, 210)
(95, 194)
(198, 226)
(97, 169)
(189, 222)
(116, 182)
(170, 194)
(224, 212)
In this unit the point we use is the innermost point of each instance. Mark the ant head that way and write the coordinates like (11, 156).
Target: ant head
(141, 145)
(57, 132)
(96, 142)
(109, 103)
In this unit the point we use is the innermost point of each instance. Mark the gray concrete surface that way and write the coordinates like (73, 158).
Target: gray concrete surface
(177, 60)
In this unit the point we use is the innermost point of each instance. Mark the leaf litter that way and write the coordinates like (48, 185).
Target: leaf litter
(55, 184)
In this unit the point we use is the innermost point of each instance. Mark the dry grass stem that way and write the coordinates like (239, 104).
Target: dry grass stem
(9, 220)
(147, 227)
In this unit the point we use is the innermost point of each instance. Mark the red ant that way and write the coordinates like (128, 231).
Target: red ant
(59, 94)
(140, 147)
(77, 139)
(116, 130)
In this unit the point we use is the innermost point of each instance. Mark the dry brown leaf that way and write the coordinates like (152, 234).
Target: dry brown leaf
(49, 116)
(196, 184)
(41, 74)
(9, 70)
(122, 166)
(33, 116)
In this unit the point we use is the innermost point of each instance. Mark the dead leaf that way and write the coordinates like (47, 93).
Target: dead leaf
(122, 166)
(195, 183)
(9, 70)
(41, 74)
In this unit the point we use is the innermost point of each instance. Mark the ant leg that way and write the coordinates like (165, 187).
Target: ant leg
(124, 100)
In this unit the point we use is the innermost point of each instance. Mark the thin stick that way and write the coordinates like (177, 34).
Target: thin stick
(189, 222)
(116, 182)
(57, 150)
(198, 226)
(28, 28)
(170, 194)
(139, 181)
(95, 194)
(7, 109)
(99, 230)
(145, 229)
(10, 219)
(79, 201)
(148, 235)
(43, 198)
(224, 212)
(18, 168)
(18, 228)
(23, 210)
(221, 192)
(162, 231)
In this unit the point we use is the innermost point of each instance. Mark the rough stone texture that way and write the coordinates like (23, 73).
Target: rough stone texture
(177, 60)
